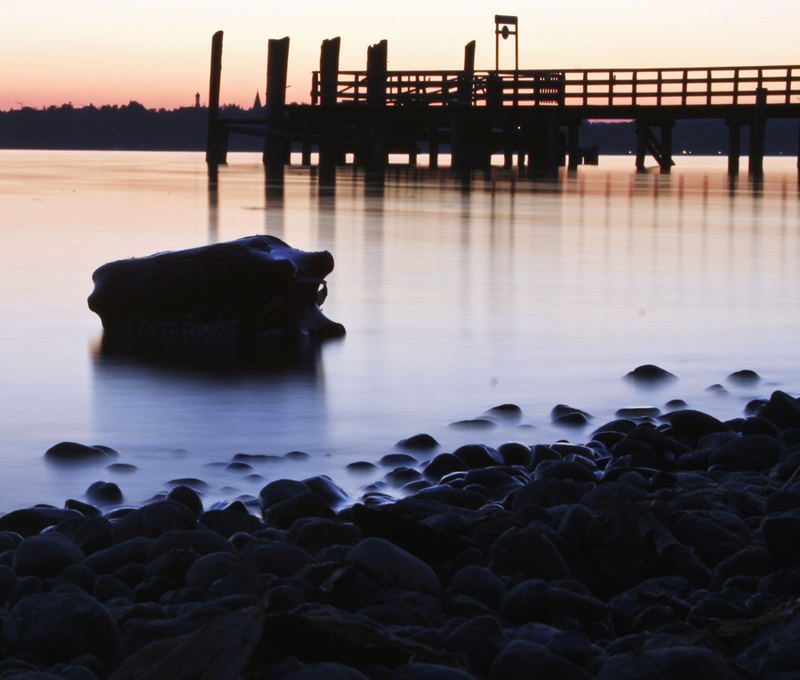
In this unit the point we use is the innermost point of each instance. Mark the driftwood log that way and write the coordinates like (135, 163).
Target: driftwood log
(252, 294)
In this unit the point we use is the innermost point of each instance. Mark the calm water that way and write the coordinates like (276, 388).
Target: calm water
(455, 299)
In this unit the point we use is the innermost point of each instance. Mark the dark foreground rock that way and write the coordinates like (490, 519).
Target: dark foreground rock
(655, 551)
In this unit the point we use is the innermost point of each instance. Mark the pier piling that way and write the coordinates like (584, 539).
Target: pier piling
(217, 137)
(276, 144)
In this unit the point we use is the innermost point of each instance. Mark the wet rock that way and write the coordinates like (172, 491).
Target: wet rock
(85, 509)
(188, 496)
(638, 412)
(478, 455)
(104, 493)
(397, 459)
(745, 377)
(687, 663)
(393, 567)
(748, 452)
(782, 409)
(520, 659)
(527, 553)
(480, 639)
(201, 541)
(691, 425)
(66, 453)
(45, 555)
(676, 405)
(418, 442)
(326, 671)
(57, 627)
(109, 560)
(154, 520)
(281, 559)
(401, 476)
(569, 416)
(479, 583)
(230, 521)
(285, 513)
(442, 465)
(31, 521)
(90, 534)
(515, 453)
(297, 455)
(324, 487)
(507, 413)
(361, 467)
(650, 374)
(473, 424)
(782, 535)
(314, 534)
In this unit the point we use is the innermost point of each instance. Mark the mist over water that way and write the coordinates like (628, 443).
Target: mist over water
(456, 298)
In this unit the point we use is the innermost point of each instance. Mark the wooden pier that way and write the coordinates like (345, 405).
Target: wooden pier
(530, 117)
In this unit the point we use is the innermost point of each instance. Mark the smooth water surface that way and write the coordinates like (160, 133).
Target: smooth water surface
(456, 297)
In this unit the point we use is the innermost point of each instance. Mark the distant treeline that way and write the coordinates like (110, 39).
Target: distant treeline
(133, 127)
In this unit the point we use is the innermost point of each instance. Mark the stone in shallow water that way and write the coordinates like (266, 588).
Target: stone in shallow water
(744, 377)
(418, 442)
(66, 453)
(104, 493)
(507, 413)
(473, 424)
(650, 374)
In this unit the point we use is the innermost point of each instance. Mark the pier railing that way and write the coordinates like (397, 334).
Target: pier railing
(723, 86)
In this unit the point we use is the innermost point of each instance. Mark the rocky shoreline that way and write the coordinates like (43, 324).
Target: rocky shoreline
(666, 546)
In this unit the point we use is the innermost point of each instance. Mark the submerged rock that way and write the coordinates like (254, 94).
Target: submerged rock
(236, 297)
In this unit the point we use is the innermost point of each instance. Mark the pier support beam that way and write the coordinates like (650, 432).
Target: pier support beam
(641, 145)
(734, 146)
(573, 147)
(665, 161)
(757, 129)
(217, 138)
(371, 145)
(329, 155)
(276, 144)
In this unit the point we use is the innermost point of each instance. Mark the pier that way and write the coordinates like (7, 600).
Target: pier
(530, 117)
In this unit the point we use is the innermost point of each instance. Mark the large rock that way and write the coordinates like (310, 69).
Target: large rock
(241, 295)
(45, 555)
(57, 627)
(393, 567)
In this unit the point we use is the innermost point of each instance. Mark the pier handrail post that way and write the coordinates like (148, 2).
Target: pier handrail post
(276, 146)
(465, 87)
(214, 154)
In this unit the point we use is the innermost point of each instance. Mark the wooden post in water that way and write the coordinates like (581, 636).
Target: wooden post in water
(641, 144)
(276, 144)
(573, 149)
(374, 150)
(216, 140)
(329, 157)
(665, 162)
(467, 75)
(757, 128)
(734, 145)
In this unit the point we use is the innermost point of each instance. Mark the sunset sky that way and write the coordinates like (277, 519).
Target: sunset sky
(157, 52)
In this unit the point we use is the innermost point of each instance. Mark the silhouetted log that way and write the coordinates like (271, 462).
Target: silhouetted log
(249, 294)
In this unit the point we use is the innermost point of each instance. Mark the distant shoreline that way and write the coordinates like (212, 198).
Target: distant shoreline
(135, 128)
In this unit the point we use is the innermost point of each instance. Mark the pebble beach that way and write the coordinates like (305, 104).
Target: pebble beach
(666, 545)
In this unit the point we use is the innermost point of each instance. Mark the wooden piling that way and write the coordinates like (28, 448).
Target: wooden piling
(329, 155)
(641, 145)
(734, 145)
(665, 159)
(276, 144)
(757, 129)
(216, 140)
(573, 148)
(467, 75)
(374, 147)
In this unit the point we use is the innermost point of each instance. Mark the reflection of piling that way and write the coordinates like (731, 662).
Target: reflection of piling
(276, 144)
(217, 139)
(734, 146)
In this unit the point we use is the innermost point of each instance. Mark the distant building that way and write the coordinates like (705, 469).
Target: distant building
(197, 100)
(257, 102)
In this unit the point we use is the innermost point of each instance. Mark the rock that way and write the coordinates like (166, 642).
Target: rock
(314, 534)
(401, 476)
(480, 639)
(692, 425)
(131, 551)
(361, 467)
(442, 465)
(536, 600)
(478, 455)
(154, 520)
(676, 405)
(66, 453)
(479, 583)
(281, 559)
(569, 416)
(527, 553)
(228, 522)
(674, 661)
(745, 377)
(90, 534)
(749, 452)
(244, 295)
(638, 412)
(397, 459)
(418, 442)
(281, 490)
(473, 424)
(188, 497)
(782, 534)
(297, 455)
(31, 521)
(393, 567)
(782, 409)
(56, 627)
(649, 374)
(45, 555)
(331, 493)
(506, 413)
(425, 671)
(84, 508)
(515, 453)
(521, 660)
(201, 541)
(104, 493)
(285, 513)
(326, 671)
